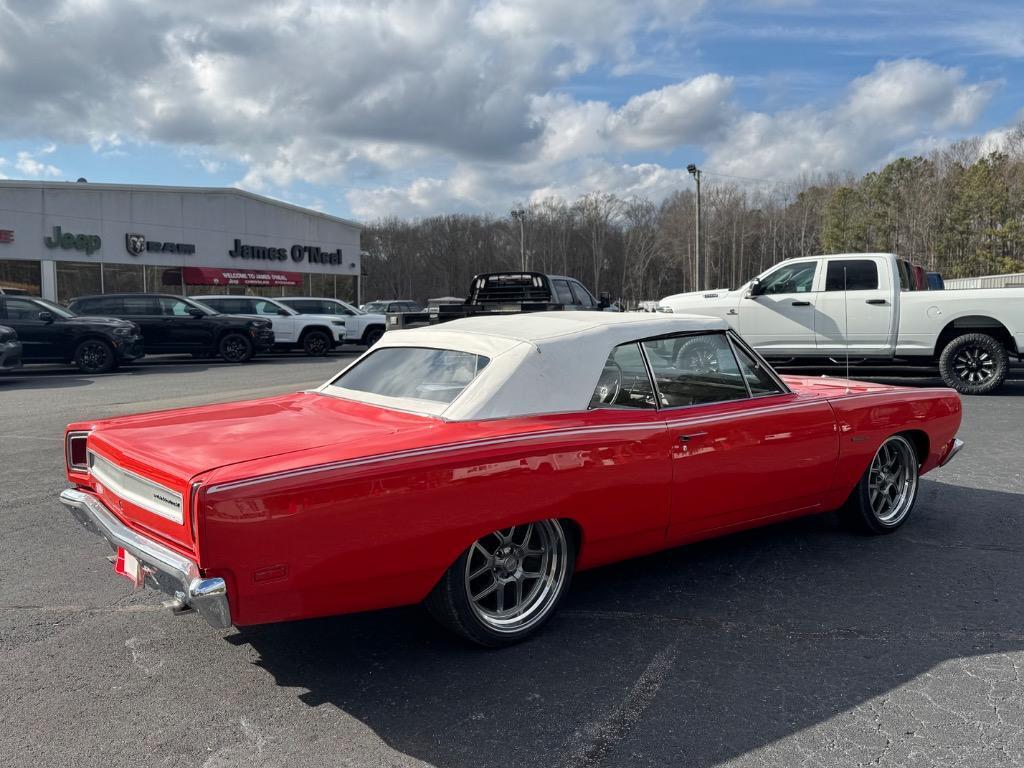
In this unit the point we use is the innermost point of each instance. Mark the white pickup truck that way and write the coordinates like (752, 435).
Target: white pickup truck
(828, 308)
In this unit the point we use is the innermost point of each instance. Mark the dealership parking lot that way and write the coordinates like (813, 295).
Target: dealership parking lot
(800, 644)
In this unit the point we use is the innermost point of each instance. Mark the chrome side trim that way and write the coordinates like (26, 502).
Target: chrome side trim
(958, 445)
(166, 570)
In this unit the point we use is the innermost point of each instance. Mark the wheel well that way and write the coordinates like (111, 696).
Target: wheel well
(310, 328)
(975, 324)
(574, 529)
(376, 327)
(920, 442)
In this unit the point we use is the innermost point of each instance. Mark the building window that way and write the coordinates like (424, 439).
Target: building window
(123, 278)
(24, 275)
(77, 278)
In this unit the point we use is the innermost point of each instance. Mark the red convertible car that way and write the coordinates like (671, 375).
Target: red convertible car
(475, 466)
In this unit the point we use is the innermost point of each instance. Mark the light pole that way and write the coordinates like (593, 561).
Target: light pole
(520, 214)
(695, 172)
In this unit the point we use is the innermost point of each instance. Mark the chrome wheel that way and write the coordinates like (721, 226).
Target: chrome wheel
(974, 365)
(892, 481)
(513, 577)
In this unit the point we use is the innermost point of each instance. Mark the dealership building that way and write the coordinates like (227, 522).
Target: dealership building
(66, 239)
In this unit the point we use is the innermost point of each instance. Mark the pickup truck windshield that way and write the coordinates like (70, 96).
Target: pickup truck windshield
(435, 375)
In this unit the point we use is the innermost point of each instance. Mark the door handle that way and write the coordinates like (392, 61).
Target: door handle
(801, 303)
(874, 301)
(691, 436)
(732, 312)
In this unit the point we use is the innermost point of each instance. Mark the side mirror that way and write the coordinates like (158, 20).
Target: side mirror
(284, 312)
(196, 312)
(46, 317)
(604, 301)
(756, 289)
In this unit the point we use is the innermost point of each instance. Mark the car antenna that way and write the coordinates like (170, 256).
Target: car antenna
(846, 329)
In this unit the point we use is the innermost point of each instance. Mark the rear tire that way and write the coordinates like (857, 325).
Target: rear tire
(316, 343)
(235, 348)
(886, 493)
(94, 356)
(503, 588)
(974, 364)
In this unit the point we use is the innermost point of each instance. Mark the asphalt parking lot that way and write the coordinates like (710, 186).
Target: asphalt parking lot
(796, 645)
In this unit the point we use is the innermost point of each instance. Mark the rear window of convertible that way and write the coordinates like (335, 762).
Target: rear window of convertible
(437, 375)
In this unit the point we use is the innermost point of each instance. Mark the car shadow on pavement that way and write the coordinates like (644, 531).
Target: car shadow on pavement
(689, 657)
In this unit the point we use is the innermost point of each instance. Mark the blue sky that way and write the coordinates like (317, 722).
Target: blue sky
(415, 108)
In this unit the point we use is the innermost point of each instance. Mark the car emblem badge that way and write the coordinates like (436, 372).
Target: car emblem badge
(135, 243)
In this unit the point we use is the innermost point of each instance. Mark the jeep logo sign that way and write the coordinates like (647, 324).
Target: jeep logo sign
(88, 243)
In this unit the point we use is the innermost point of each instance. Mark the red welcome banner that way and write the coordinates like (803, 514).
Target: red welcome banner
(254, 277)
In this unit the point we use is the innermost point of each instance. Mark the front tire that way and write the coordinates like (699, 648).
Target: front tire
(507, 584)
(887, 491)
(316, 343)
(372, 336)
(94, 356)
(974, 364)
(235, 348)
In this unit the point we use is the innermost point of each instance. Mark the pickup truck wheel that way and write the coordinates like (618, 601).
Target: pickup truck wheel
(316, 343)
(235, 348)
(94, 356)
(506, 585)
(974, 364)
(372, 336)
(885, 494)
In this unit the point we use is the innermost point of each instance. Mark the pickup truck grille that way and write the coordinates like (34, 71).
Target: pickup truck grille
(136, 490)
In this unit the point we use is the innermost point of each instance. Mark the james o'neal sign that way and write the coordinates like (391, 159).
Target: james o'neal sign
(298, 253)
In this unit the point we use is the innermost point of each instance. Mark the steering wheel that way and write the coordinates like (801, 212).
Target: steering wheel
(697, 356)
(609, 384)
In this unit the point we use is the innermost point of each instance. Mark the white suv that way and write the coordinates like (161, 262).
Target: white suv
(316, 334)
(360, 327)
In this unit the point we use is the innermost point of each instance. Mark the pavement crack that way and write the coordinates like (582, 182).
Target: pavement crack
(604, 735)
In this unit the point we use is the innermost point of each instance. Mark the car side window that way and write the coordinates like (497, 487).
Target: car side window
(756, 374)
(109, 305)
(581, 294)
(262, 307)
(141, 305)
(173, 307)
(697, 369)
(791, 278)
(624, 381)
(562, 293)
(851, 275)
(22, 309)
(307, 307)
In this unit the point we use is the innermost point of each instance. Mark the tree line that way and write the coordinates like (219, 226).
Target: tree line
(959, 211)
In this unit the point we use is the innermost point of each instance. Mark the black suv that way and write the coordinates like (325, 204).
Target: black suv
(49, 333)
(175, 324)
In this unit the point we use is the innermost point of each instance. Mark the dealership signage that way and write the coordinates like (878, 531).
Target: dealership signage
(6, 235)
(68, 241)
(254, 277)
(137, 244)
(312, 253)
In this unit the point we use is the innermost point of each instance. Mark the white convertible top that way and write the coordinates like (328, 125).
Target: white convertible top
(541, 362)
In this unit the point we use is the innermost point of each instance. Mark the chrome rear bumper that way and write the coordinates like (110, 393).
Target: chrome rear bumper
(953, 451)
(166, 570)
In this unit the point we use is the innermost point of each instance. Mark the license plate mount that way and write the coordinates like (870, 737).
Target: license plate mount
(127, 565)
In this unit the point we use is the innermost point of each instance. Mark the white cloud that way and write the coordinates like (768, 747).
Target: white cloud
(27, 165)
(420, 107)
(896, 105)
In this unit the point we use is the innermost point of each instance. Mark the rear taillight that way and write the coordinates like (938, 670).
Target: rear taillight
(75, 451)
